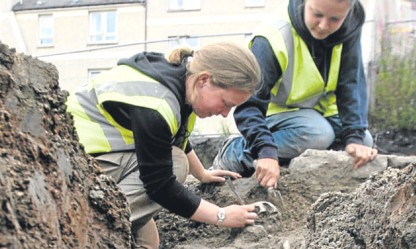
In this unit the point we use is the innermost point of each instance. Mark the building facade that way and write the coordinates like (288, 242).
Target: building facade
(84, 37)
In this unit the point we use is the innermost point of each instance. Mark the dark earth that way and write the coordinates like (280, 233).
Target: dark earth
(53, 195)
(294, 219)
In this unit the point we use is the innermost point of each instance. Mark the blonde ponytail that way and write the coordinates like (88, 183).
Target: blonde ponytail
(179, 55)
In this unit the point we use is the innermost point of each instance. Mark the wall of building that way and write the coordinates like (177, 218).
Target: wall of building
(72, 53)
(213, 17)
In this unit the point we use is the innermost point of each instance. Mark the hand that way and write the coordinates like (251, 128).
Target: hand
(268, 172)
(217, 175)
(361, 153)
(239, 216)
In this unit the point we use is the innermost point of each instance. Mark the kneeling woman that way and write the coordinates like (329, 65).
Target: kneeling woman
(135, 120)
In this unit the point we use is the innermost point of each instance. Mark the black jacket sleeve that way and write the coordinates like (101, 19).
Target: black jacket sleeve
(250, 117)
(351, 92)
(152, 138)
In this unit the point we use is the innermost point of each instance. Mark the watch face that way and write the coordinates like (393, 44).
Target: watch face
(221, 215)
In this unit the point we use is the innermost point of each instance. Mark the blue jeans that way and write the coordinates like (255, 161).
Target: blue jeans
(293, 132)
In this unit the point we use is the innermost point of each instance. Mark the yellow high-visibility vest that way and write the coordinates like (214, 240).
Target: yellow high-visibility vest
(97, 130)
(301, 84)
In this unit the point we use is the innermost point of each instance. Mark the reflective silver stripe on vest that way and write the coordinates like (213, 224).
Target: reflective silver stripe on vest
(287, 78)
(145, 89)
(88, 101)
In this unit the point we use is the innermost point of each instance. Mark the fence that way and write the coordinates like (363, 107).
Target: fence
(401, 34)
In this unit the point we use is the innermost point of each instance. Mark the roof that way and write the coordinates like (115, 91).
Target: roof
(52, 4)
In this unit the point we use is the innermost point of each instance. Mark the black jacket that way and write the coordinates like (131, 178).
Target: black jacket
(152, 135)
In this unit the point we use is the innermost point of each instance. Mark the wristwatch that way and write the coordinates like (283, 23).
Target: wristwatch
(220, 216)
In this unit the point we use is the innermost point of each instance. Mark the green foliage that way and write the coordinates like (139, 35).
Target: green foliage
(395, 89)
(225, 128)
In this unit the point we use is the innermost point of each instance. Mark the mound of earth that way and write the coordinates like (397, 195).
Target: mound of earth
(52, 195)
(394, 141)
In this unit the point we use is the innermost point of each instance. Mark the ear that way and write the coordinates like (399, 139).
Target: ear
(203, 79)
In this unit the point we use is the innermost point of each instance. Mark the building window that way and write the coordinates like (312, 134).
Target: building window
(103, 27)
(45, 30)
(254, 3)
(175, 41)
(184, 4)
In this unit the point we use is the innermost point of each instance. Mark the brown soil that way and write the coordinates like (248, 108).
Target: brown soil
(52, 195)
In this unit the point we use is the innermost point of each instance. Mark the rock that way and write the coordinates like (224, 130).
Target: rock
(324, 171)
(380, 214)
(207, 147)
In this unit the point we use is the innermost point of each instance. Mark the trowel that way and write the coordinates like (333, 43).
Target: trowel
(232, 187)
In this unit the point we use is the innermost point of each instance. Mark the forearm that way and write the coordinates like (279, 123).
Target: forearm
(154, 150)
(235, 215)
(195, 166)
(206, 212)
(252, 125)
(351, 93)
(250, 117)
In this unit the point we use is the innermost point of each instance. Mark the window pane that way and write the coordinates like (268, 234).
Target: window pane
(46, 29)
(110, 37)
(103, 26)
(95, 23)
(193, 43)
(46, 41)
(96, 38)
(111, 22)
(45, 32)
(173, 43)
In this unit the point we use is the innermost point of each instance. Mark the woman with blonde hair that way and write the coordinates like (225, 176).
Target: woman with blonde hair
(135, 120)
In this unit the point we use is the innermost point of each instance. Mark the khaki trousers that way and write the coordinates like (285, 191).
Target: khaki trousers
(123, 168)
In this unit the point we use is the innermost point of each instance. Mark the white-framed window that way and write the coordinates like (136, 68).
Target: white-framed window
(254, 3)
(184, 4)
(94, 72)
(103, 27)
(45, 30)
(192, 42)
